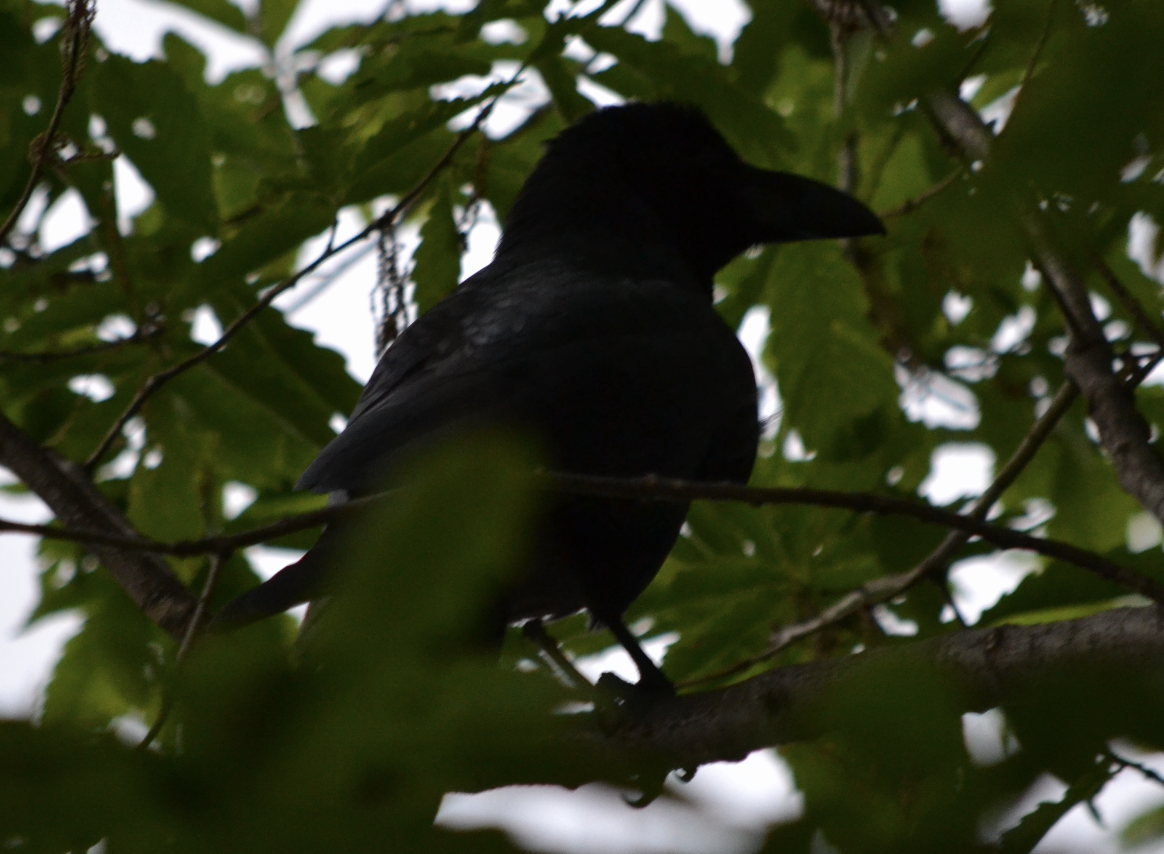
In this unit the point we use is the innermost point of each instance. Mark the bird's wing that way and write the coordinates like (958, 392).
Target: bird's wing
(577, 355)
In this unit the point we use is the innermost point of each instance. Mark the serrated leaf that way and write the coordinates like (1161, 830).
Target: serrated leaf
(827, 359)
(438, 258)
(158, 124)
(165, 501)
(107, 669)
(262, 240)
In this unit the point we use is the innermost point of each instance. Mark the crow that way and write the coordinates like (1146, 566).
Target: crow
(594, 329)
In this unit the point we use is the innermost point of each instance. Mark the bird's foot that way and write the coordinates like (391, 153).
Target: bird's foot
(635, 698)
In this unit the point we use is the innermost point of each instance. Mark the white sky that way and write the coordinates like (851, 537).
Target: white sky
(727, 806)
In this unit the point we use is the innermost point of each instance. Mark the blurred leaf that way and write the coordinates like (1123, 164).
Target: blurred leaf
(1034, 825)
(274, 16)
(166, 499)
(559, 77)
(111, 667)
(1145, 828)
(222, 11)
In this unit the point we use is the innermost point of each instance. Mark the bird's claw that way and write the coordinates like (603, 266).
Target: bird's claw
(634, 698)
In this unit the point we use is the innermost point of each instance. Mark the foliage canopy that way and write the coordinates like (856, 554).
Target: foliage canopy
(957, 310)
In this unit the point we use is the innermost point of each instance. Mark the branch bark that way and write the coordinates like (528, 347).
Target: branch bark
(80, 506)
(984, 667)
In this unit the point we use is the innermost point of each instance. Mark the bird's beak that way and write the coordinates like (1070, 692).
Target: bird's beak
(789, 207)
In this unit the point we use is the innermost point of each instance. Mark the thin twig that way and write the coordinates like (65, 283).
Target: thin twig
(1129, 763)
(74, 42)
(217, 561)
(1038, 51)
(911, 205)
(45, 357)
(329, 278)
(889, 586)
(1149, 327)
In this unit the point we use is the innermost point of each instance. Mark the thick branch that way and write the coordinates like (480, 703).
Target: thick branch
(81, 506)
(983, 667)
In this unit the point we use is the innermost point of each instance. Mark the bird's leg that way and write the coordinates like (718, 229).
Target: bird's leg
(651, 678)
(563, 668)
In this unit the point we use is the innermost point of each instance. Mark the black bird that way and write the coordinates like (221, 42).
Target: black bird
(594, 328)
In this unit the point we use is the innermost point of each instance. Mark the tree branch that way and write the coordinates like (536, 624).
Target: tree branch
(1123, 432)
(193, 627)
(984, 667)
(74, 43)
(84, 510)
(889, 586)
(667, 489)
(650, 488)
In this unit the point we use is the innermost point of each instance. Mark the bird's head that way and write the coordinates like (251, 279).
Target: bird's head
(659, 176)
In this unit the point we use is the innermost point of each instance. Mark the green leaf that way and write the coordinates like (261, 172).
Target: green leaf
(254, 365)
(110, 668)
(251, 444)
(678, 32)
(1145, 828)
(64, 789)
(560, 77)
(1036, 824)
(827, 359)
(1064, 588)
(262, 240)
(158, 124)
(438, 258)
(166, 500)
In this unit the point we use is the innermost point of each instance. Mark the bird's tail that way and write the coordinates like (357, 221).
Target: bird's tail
(293, 585)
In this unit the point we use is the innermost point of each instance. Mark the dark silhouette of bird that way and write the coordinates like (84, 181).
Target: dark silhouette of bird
(594, 329)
